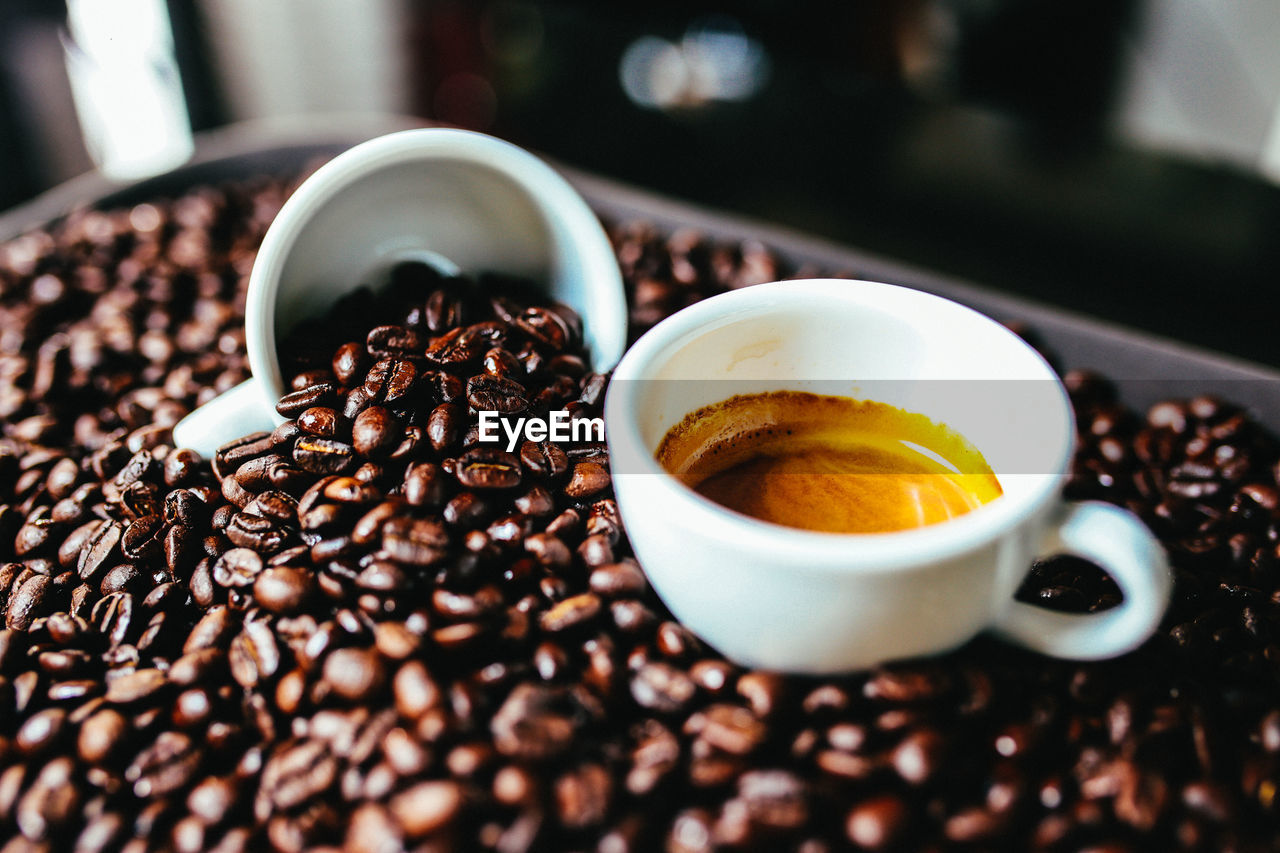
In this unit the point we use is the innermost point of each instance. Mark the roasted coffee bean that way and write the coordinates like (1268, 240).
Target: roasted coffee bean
(214, 629)
(501, 363)
(455, 347)
(583, 796)
(570, 613)
(662, 687)
(545, 326)
(876, 823)
(99, 551)
(143, 538)
(33, 536)
(533, 723)
(308, 378)
(488, 468)
(234, 454)
(257, 533)
(401, 383)
(618, 579)
(323, 455)
(101, 735)
(444, 309)
(135, 686)
(348, 490)
(424, 484)
(294, 403)
(164, 767)
(444, 426)
(426, 807)
(421, 542)
(588, 478)
(254, 655)
(112, 616)
(487, 393)
(237, 567)
(75, 542)
(274, 505)
(383, 341)
(349, 361)
(354, 674)
(466, 510)
(320, 421)
(282, 589)
(375, 432)
(40, 730)
(917, 757)
(27, 602)
(543, 459)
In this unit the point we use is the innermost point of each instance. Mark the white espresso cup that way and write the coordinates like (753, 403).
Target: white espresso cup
(785, 598)
(457, 200)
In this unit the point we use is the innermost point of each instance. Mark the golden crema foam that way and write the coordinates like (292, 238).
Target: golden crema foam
(827, 463)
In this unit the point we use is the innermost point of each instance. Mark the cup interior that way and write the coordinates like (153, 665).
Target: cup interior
(454, 199)
(862, 340)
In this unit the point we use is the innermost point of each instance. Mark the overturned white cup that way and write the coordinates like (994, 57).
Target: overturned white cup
(784, 598)
(457, 200)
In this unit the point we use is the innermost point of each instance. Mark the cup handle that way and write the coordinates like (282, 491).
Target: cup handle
(239, 411)
(1121, 544)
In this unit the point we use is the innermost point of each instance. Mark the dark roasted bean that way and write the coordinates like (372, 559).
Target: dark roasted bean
(375, 432)
(100, 551)
(444, 426)
(320, 421)
(618, 579)
(533, 723)
(589, 478)
(254, 655)
(424, 484)
(354, 674)
(164, 767)
(426, 807)
(237, 567)
(27, 602)
(323, 455)
(296, 402)
(421, 542)
(455, 347)
(383, 341)
(487, 393)
(135, 686)
(231, 456)
(443, 310)
(662, 687)
(349, 360)
(282, 589)
(487, 468)
(570, 613)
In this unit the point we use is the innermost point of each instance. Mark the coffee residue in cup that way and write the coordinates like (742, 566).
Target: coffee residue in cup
(828, 463)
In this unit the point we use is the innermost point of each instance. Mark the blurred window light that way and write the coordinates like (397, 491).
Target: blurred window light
(1202, 79)
(125, 83)
(715, 61)
(281, 59)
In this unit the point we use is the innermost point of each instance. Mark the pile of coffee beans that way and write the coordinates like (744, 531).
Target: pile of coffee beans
(369, 631)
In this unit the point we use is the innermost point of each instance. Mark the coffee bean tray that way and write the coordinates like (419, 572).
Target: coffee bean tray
(363, 632)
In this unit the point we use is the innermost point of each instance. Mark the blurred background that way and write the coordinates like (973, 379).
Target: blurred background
(1117, 157)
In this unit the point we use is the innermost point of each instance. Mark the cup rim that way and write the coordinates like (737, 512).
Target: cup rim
(818, 550)
(549, 190)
